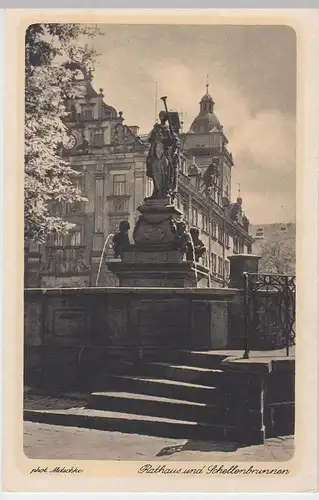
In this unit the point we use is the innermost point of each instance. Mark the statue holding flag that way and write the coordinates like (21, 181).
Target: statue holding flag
(162, 162)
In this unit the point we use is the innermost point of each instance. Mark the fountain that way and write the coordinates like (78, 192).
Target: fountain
(158, 304)
(163, 251)
(160, 270)
(111, 235)
(154, 327)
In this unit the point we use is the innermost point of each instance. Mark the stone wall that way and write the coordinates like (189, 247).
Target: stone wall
(105, 323)
(259, 398)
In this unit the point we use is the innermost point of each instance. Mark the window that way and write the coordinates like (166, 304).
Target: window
(119, 185)
(283, 229)
(214, 263)
(204, 222)
(194, 216)
(214, 230)
(185, 209)
(260, 232)
(57, 240)
(75, 238)
(97, 137)
(226, 268)
(99, 187)
(226, 239)
(183, 166)
(220, 266)
(236, 245)
(87, 113)
(220, 233)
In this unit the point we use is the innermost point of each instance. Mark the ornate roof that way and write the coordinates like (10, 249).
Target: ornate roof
(206, 121)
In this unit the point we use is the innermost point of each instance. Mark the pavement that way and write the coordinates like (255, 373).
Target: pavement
(44, 441)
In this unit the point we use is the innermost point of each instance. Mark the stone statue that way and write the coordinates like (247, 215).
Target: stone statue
(121, 240)
(246, 223)
(184, 240)
(211, 175)
(199, 247)
(163, 158)
(236, 210)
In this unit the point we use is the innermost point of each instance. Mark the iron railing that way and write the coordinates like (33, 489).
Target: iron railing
(269, 311)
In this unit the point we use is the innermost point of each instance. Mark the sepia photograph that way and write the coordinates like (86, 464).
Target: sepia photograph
(159, 244)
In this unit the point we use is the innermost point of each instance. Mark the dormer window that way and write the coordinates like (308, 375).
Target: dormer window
(87, 112)
(96, 137)
(260, 232)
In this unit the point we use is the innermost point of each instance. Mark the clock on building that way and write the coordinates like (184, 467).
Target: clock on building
(69, 141)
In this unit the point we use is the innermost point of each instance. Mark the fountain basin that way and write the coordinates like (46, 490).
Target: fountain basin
(125, 319)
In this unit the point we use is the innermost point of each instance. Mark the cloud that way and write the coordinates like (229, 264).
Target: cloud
(262, 141)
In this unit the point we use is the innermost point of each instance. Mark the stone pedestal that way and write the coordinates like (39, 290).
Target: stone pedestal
(239, 264)
(155, 228)
(156, 259)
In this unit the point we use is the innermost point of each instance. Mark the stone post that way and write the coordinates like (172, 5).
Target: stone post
(239, 264)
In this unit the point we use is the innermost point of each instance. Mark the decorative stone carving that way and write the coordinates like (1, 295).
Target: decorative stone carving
(120, 205)
(155, 225)
(99, 167)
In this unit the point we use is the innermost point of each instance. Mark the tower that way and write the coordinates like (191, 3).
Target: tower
(207, 142)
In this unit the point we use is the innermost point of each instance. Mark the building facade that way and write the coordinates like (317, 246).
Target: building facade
(110, 158)
(276, 245)
(265, 233)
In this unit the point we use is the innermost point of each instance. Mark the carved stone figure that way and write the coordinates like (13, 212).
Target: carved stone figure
(246, 223)
(199, 247)
(121, 240)
(211, 175)
(163, 158)
(184, 240)
(236, 209)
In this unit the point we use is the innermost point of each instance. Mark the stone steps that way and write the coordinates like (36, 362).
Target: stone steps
(184, 391)
(203, 359)
(183, 373)
(155, 406)
(128, 423)
(171, 393)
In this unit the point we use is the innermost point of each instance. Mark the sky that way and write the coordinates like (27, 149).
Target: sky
(252, 79)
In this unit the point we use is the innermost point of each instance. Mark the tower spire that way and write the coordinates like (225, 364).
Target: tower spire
(207, 84)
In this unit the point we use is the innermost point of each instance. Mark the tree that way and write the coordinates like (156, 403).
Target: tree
(49, 84)
(278, 255)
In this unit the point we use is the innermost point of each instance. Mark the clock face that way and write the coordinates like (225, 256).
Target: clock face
(69, 142)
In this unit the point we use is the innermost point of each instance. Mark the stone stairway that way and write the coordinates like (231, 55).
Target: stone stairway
(175, 394)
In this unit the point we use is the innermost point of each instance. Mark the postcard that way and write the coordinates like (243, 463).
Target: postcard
(161, 224)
